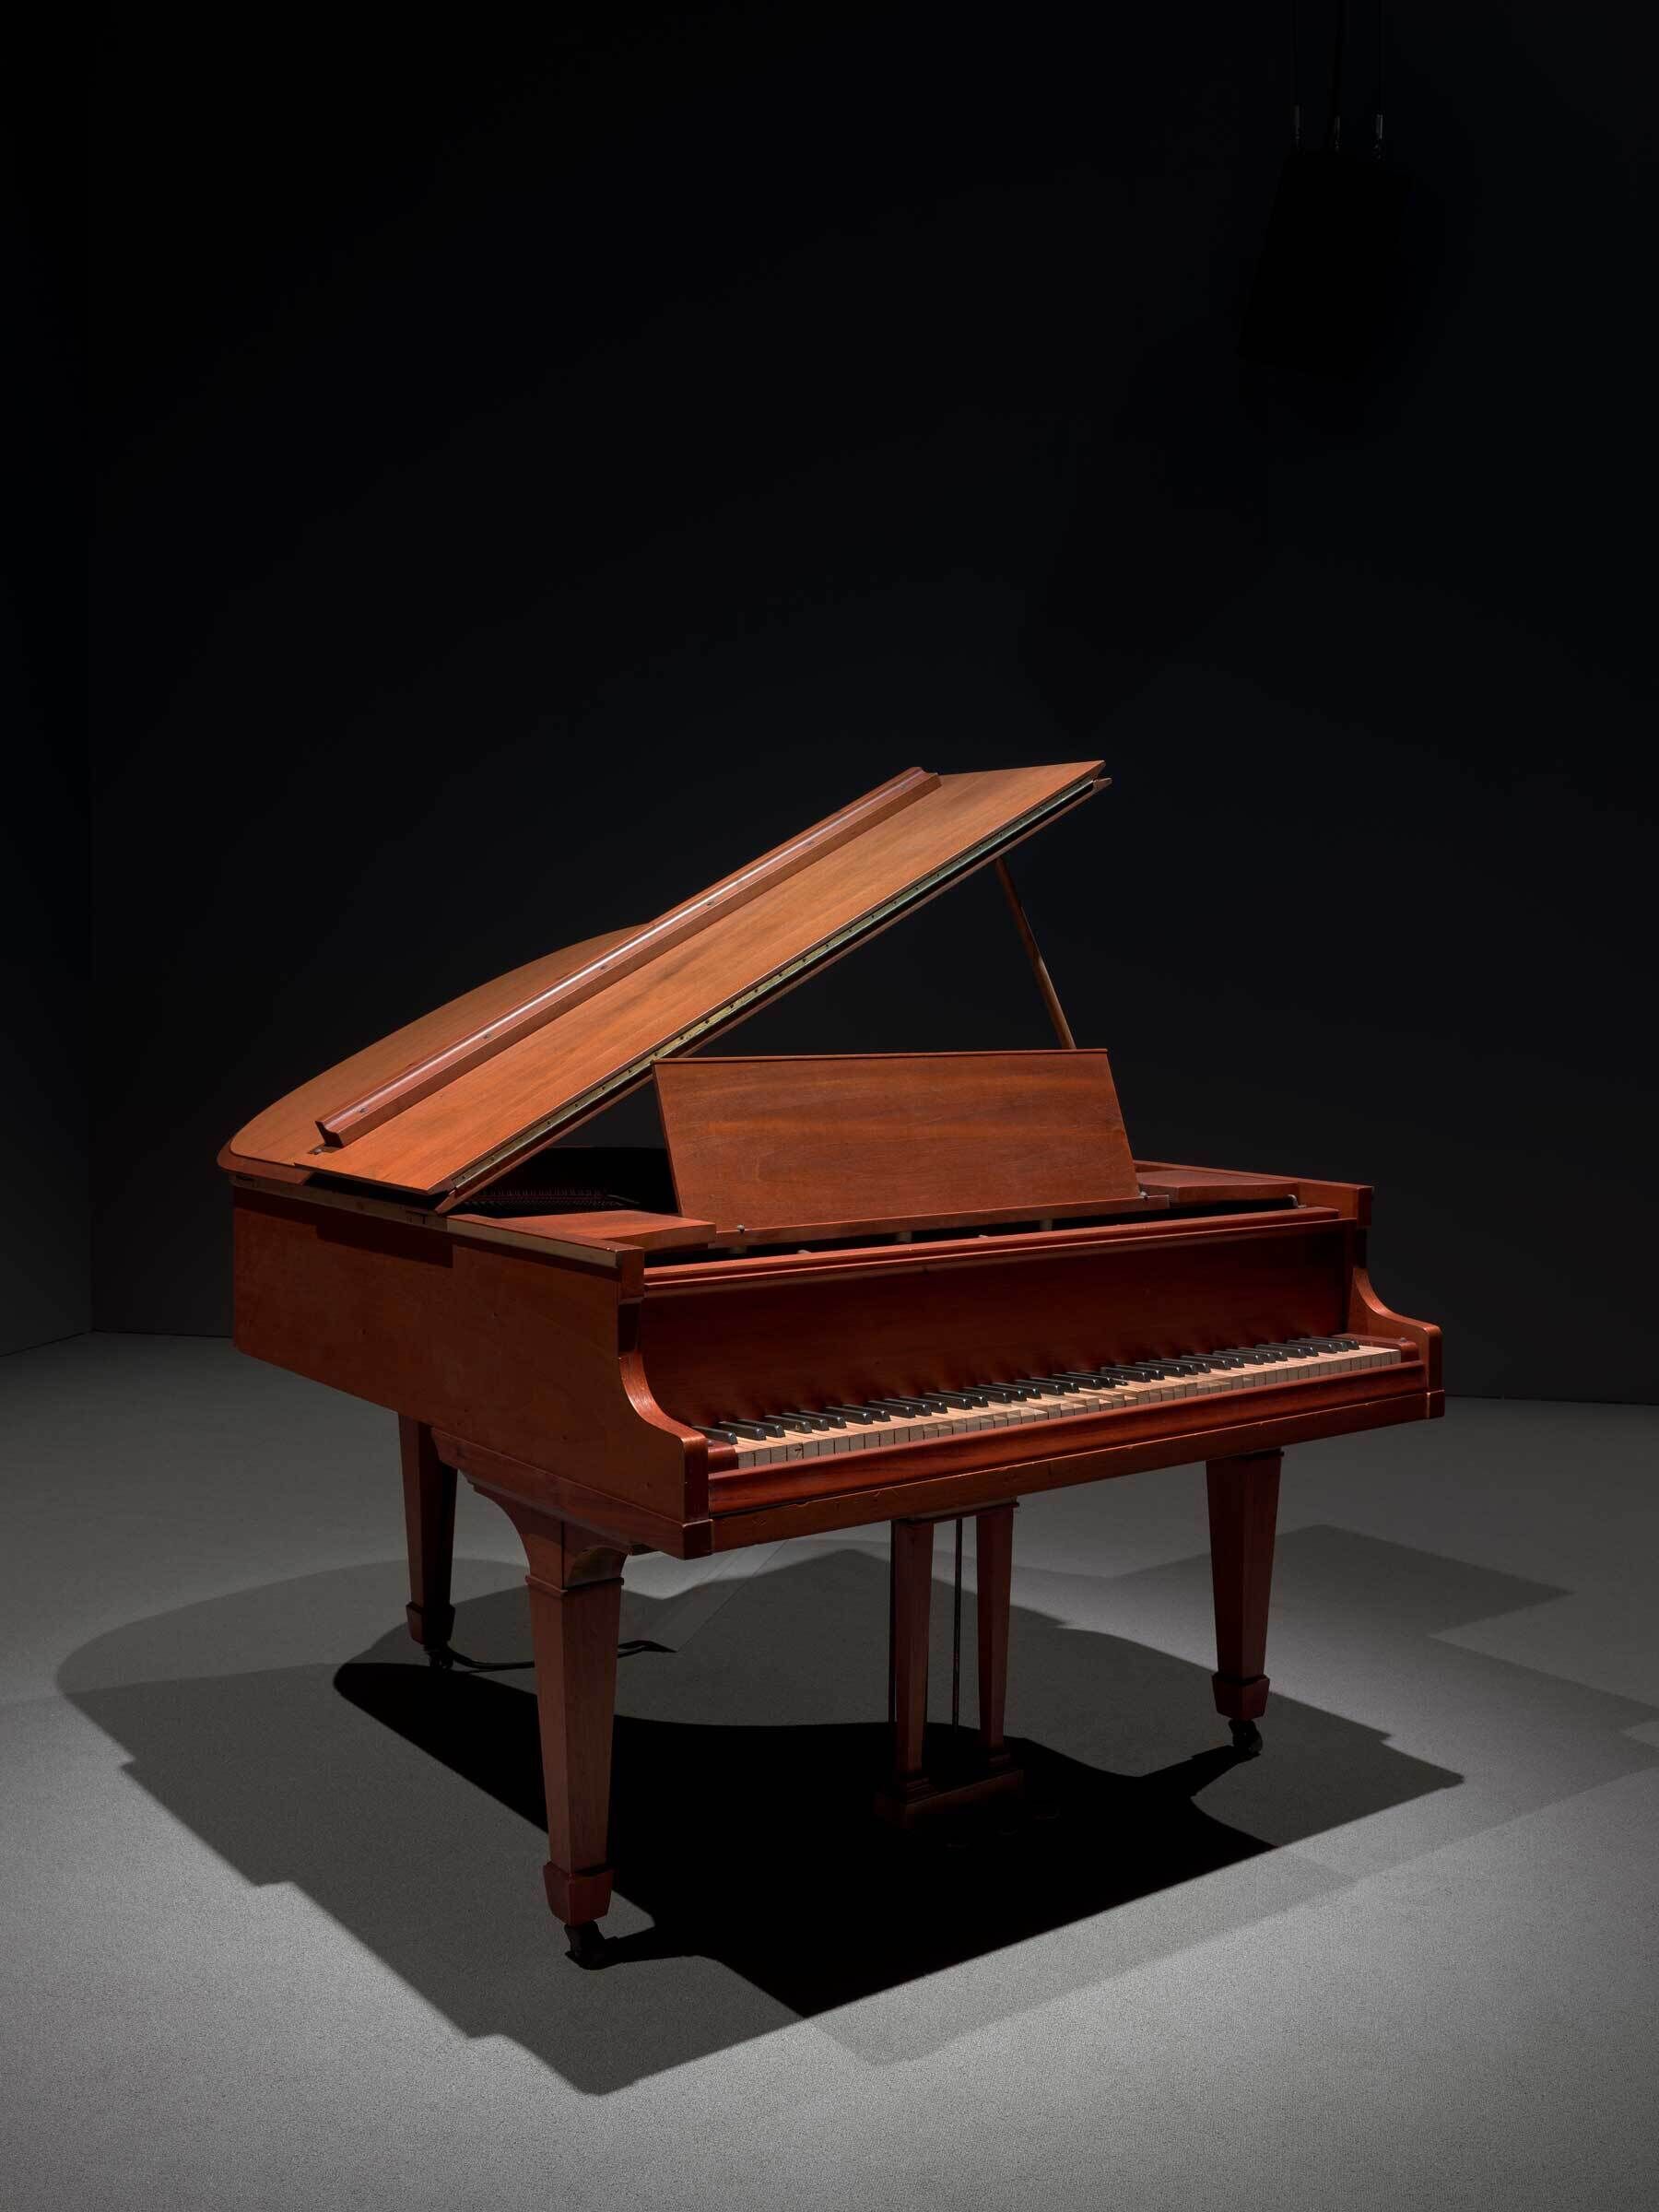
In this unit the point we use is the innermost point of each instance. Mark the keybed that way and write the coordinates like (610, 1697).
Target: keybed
(1023, 1401)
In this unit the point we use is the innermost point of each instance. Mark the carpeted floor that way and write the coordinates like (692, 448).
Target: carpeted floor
(274, 1932)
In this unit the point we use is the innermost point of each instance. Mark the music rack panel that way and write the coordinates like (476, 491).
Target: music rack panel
(816, 1146)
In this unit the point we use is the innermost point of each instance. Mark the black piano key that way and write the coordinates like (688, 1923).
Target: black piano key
(902, 1406)
(821, 1419)
(719, 1433)
(868, 1416)
(751, 1432)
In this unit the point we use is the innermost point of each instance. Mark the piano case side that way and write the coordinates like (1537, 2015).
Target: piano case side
(527, 1354)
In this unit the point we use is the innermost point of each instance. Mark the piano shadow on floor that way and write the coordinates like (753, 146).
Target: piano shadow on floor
(754, 1884)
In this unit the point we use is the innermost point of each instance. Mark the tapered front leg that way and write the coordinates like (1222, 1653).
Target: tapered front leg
(1243, 1512)
(575, 1604)
(429, 1521)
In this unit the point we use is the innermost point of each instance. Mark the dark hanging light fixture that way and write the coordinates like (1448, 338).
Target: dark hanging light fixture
(1327, 284)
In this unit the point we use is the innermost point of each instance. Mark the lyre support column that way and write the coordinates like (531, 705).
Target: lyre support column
(912, 1793)
(429, 1489)
(1244, 1512)
(575, 1604)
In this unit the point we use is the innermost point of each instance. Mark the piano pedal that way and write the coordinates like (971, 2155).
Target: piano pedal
(587, 1943)
(1246, 1738)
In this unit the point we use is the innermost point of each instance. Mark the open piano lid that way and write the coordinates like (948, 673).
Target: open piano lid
(445, 1104)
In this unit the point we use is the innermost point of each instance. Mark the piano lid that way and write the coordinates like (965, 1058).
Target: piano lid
(444, 1104)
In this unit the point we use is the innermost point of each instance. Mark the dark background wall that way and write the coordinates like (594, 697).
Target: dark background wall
(45, 1243)
(535, 476)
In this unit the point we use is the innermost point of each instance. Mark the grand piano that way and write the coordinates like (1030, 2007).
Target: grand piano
(903, 1288)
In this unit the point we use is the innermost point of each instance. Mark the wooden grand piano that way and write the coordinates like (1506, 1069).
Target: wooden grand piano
(906, 1288)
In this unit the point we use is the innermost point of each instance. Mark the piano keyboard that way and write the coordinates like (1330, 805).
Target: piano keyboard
(811, 1432)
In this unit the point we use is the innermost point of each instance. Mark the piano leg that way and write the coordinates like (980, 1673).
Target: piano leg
(1243, 1509)
(429, 1489)
(575, 1604)
(912, 1596)
(994, 1560)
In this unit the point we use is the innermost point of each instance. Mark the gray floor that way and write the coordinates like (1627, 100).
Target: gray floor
(274, 1932)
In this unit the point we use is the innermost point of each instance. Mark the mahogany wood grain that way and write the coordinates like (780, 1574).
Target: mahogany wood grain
(552, 1491)
(801, 1233)
(781, 1148)
(1194, 1186)
(369, 1108)
(600, 1099)
(577, 1239)
(488, 1116)
(1351, 1200)
(1199, 1186)
(1243, 1509)
(644, 1233)
(286, 1131)
(1368, 1315)
(515, 1351)
(575, 1606)
(429, 1488)
(782, 1337)
(716, 1277)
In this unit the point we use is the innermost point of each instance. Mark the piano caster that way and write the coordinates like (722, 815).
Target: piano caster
(586, 1942)
(1246, 1738)
(440, 1655)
